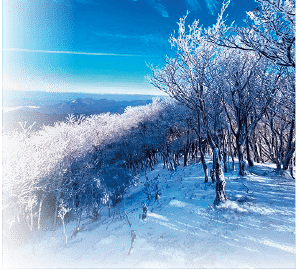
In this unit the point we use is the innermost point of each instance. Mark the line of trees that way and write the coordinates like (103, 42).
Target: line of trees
(78, 167)
(241, 84)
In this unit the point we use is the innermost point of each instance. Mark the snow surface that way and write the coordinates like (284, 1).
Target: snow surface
(255, 228)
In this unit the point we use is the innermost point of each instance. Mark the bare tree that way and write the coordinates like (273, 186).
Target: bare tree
(248, 87)
(270, 31)
(184, 78)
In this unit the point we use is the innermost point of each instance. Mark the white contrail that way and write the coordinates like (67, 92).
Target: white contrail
(68, 52)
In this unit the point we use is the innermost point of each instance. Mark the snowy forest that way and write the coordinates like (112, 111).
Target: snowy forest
(230, 111)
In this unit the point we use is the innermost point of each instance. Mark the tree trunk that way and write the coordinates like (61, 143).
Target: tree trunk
(194, 150)
(186, 153)
(56, 211)
(185, 158)
(205, 169)
(290, 147)
(186, 148)
(78, 219)
(213, 169)
(289, 156)
(225, 160)
(292, 168)
(220, 180)
(242, 163)
(40, 210)
(231, 152)
(250, 161)
(256, 151)
(225, 148)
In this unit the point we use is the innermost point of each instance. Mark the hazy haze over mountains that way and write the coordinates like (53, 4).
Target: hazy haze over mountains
(26, 98)
(46, 108)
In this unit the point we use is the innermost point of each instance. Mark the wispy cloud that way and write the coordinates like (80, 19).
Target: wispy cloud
(67, 52)
(151, 38)
(104, 34)
(212, 6)
(158, 6)
(193, 5)
(79, 1)
(147, 38)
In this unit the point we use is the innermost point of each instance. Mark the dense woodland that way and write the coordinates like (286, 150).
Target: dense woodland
(232, 96)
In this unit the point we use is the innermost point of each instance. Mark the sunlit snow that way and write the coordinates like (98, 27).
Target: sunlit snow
(255, 228)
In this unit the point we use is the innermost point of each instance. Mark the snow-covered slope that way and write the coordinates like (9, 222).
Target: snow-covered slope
(255, 228)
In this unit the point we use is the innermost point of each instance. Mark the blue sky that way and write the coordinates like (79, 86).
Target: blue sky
(95, 46)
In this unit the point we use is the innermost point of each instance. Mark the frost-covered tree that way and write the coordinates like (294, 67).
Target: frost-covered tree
(270, 31)
(248, 86)
(186, 79)
(277, 130)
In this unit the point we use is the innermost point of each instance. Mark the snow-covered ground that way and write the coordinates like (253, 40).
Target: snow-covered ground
(255, 228)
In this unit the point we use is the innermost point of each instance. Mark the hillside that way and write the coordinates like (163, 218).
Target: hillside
(255, 228)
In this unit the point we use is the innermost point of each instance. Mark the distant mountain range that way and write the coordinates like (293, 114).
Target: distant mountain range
(13, 98)
(46, 108)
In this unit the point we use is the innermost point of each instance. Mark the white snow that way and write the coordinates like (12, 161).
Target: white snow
(255, 228)
(157, 216)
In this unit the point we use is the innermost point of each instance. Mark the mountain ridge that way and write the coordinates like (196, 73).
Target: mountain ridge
(13, 98)
(47, 112)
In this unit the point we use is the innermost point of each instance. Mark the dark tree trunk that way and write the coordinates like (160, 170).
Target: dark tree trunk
(280, 150)
(256, 149)
(225, 145)
(79, 215)
(250, 161)
(261, 152)
(242, 163)
(225, 160)
(205, 169)
(231, 152)
(194, 150)
(290, 147)
(220, 180)
(201, 148)
(186, 154)
(292, 164)
(289, 156)
(213, 169)
(185, 159)
(186, 149)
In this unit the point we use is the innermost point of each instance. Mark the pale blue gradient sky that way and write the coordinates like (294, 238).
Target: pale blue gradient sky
(96, 46)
